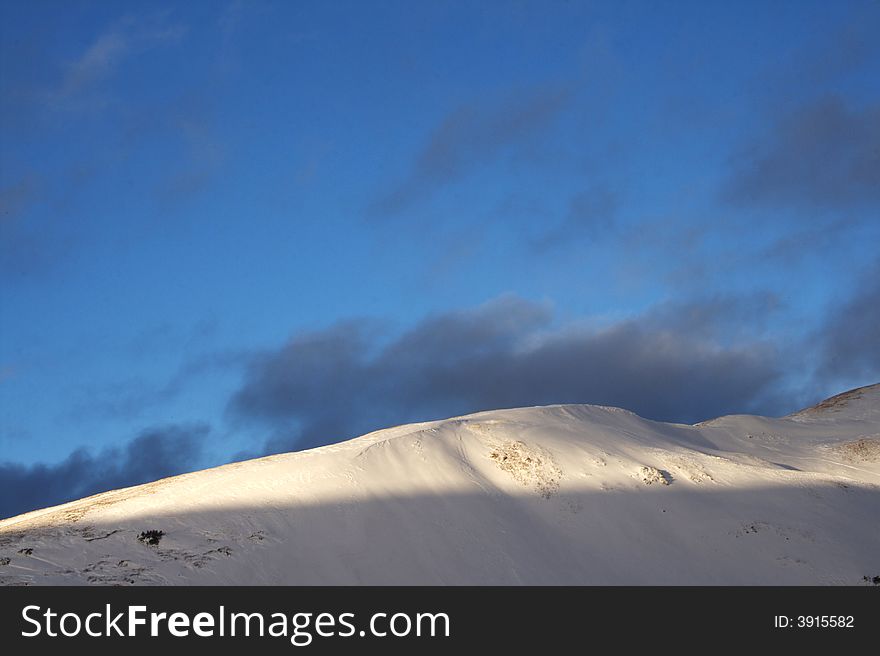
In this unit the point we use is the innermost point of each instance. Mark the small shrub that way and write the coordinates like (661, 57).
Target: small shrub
(651, 475)
(151, 537)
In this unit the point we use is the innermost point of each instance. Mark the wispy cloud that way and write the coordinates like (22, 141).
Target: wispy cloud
(133, 397)
(104, 56)
(16, 197)
(192, 123)
(471, 136)
(824, 154)
(31, 241)
(591, 214)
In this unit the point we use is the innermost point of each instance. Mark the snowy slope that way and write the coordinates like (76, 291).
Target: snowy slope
(548, 495)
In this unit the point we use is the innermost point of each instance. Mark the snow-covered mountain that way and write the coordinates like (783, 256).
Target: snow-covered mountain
(572, 494)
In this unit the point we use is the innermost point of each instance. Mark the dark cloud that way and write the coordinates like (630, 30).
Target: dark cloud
(850, 339)
(671, 363)
(825, 154)
(155, 453)
(471, 136)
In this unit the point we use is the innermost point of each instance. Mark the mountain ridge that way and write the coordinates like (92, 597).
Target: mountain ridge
(548, 494)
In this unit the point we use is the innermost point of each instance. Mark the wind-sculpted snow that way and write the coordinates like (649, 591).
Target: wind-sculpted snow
(570, 494)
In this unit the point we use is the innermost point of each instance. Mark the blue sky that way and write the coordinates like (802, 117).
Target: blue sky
(236, 228)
